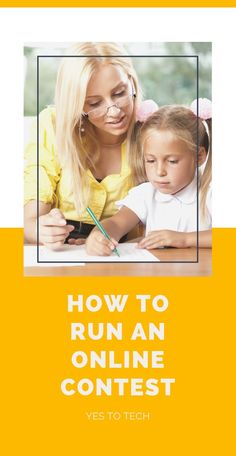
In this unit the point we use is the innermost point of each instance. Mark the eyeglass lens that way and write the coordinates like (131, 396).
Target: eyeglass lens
(103, 110)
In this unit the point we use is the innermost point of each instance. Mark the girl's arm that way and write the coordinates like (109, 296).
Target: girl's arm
(116, 226)
(168, 238)
(204, 239)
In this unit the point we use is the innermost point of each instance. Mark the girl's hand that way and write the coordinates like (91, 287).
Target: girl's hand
(97, 244)
(164, 238)
(53, 229)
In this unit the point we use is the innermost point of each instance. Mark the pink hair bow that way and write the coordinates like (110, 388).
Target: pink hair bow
(145, 110)
(204, 108)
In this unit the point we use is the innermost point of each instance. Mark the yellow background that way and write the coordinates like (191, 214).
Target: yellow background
(120, 3)
(199, 352)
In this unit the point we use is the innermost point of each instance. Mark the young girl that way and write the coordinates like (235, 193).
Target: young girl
(172, 143)
(84, 144)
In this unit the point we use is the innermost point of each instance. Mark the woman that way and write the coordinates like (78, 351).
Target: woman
(84, 145)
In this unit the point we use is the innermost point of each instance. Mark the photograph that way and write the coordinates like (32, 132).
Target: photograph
(117, 172)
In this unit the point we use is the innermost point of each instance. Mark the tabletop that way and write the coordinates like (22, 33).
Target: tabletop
(173, 262)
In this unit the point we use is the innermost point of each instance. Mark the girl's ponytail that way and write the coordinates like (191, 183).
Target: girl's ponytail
(206, 177)
(202, 107)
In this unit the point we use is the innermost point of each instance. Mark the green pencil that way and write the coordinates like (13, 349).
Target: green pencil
(100, 227)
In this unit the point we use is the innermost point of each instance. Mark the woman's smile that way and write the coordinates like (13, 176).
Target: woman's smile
(118, 123)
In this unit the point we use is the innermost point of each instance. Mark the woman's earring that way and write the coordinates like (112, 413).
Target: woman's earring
(81, 125)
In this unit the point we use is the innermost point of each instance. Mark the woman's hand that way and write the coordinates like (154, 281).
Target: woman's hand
(53, 229)
(97, 244)
(77, 241)
(164, 238)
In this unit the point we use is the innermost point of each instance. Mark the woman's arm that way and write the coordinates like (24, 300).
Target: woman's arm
(30, 219)
(116, 226)
(53, 229)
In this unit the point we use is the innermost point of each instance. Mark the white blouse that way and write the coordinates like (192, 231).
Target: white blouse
(161, 211)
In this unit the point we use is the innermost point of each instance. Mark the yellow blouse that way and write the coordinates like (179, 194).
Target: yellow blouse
(56, 183)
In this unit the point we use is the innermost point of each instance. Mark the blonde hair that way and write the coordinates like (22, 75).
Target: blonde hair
(186, 127)
(77, 152)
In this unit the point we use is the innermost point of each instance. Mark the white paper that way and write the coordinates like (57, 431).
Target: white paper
(67, 253)
(128, 252)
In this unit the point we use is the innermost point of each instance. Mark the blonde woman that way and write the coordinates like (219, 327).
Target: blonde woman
(84, 145)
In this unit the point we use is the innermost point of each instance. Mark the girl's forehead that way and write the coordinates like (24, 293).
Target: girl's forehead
(106, 77)
(154, 137)
(163, 142)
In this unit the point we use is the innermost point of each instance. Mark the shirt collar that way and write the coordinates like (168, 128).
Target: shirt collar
(186, 196)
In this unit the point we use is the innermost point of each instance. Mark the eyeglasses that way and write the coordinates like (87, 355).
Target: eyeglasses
(124, 100)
